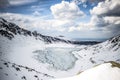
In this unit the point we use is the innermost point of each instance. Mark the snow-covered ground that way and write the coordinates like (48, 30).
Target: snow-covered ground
(53, 59)
(96, 54)
(102, 72)
(57, 59)
(13, 71)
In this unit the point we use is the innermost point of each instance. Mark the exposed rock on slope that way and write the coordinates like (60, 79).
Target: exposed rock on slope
(12, 71)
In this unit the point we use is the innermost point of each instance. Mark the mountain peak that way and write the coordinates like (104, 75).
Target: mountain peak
(115, 39)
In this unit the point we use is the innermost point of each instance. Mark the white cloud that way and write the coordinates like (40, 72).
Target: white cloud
(102, 22)
(80, 27)
(106, 16)
(79, 1)
(65, 19)
(84, 5)
(20, 2)
(36, 13)
(83, 1)
(37, 8)
(7, 3)
(112, 20)
(66, 10)
(39, 23)
(106, 13)
(65, 15)
(34, 22)
(107, 8)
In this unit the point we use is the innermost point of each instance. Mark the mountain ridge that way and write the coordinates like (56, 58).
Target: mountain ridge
(9, 30)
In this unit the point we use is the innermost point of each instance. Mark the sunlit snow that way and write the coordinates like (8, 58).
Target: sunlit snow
(101, 72)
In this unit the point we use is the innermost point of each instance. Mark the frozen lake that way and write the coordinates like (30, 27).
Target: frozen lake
(58, 58)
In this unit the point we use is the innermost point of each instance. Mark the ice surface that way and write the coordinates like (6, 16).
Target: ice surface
(59, 58)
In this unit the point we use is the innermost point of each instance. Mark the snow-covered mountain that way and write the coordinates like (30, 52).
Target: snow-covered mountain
(9, 30)
(90, 56)
(26, 55)
(23, 47)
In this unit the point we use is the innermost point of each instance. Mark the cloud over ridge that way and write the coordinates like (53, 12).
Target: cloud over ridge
(66, 10)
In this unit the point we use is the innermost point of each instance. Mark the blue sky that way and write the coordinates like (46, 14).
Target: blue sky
(74, 19)
(44, 5)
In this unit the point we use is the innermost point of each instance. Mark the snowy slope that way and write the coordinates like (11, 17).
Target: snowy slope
(12, 71)
(97, 54)
(106, 71)
(21, 47)
(49, 55)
